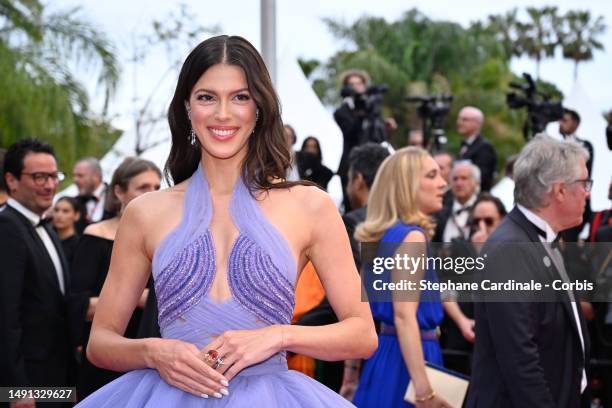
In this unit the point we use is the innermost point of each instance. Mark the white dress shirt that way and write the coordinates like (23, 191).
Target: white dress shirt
(456, 225)
(551, 235)
(44, 236)
(95, 209)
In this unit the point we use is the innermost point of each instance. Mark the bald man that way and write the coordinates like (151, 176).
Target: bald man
(475, 147)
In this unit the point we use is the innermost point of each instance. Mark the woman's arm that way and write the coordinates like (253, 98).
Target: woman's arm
(178, 362)
(128, 272)
(354, 335)
(407, 326)
(465, 324)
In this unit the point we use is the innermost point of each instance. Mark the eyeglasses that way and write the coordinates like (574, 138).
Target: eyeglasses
(40, 178)
(489, 221)
(586, 183)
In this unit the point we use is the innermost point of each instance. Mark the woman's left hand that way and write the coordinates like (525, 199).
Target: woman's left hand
(467, 329)
(243, 348)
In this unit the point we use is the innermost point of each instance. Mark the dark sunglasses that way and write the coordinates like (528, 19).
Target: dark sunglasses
(487, 220)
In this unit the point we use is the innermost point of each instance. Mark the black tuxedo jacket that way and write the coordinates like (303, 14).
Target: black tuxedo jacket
(527, 354)
(441, 218)
(483, 155)
(35, 342)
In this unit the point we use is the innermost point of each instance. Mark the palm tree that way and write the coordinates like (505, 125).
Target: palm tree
(40, 54)
(538, 37)
(506, 30)
(579, 37)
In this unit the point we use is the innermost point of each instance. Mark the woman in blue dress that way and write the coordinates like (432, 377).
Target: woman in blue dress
(224, 246)
(407, 190)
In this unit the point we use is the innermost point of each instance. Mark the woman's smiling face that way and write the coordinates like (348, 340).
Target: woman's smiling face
(223, 112)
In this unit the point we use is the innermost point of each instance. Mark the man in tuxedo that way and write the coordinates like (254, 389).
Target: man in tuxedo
(475, 147)
(87, 176)
(451, 221)
(531, 351)
(35, 346)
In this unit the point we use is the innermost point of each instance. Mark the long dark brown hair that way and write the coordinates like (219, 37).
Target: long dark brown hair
(268, 155)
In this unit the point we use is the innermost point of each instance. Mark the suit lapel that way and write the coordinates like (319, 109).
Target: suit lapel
(49, 270)
(474, 146)
(519, 218)
(60, 252)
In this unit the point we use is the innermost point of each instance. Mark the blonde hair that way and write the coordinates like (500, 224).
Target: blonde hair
(393, 196)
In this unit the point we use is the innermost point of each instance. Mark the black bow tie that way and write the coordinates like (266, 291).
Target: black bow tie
(89, 197)
(555, 243)
(459, 211)
(43, 222)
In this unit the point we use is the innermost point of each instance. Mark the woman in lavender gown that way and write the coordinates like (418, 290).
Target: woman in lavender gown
(225, 245)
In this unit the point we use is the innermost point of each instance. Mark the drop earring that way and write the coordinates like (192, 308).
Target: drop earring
(192, 137)
(256, 120)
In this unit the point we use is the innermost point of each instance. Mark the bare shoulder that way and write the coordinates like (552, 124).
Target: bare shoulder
(415, 236)
(102, 229)
(153, 215)
(310, 199)
(150, 206)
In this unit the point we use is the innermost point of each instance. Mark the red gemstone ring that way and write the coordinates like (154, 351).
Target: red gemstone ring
(211, 358)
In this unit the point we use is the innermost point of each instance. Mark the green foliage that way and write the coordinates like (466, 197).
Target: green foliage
(539, 36)
(419, 56)
(42, 97)
(308, 66)
(579, 36)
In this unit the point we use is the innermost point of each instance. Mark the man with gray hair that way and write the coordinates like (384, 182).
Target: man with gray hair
(534, 351)
(474, 146)
(465, 186)
(87, 176)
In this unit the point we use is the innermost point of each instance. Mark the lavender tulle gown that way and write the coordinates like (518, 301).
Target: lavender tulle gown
(262, 274)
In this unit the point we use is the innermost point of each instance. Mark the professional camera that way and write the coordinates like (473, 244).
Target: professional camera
(540, 110)
(433, 111)
(369, 105)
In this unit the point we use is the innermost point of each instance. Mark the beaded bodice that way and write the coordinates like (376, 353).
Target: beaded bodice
(261, 267)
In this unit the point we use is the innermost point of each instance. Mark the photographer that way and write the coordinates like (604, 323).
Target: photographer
(359, 118)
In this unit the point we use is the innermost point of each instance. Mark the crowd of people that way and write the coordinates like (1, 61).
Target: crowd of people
(244, 267)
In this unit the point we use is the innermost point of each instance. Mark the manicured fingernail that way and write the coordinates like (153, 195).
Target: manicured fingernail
(224, 382)
(217, 395)
(204, 395)
(224, 391)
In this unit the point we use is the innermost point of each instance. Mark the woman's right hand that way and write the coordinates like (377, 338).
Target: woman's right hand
(435, 402)
(180, 365)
